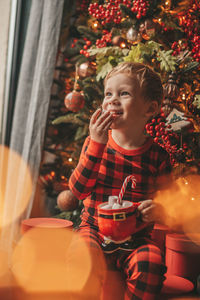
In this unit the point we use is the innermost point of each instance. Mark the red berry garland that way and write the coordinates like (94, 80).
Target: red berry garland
(176, 48)
(84, 51)
(107, 13)
(106, 38)
(140, 7)
(163, 135)
(110, 12)
(190, 23)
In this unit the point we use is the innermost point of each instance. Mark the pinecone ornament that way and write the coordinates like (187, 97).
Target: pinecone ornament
(171, 93)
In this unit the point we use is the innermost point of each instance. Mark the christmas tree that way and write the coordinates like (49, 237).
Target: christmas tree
(97, 35)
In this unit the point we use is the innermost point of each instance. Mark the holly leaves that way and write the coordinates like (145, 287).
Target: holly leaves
(145, 52)
(168, 62)
(107, 58)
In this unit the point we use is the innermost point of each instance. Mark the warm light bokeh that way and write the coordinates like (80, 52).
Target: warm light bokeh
(181, 206)
(15, 186)
(7, 283)
(55, 263)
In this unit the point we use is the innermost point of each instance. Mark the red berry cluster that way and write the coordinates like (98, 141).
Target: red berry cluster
(176, 48)
(106, 38)
(84, 51)
(140, 7)
(196, 47)
(162, 135)
(110, 11)
(165, 27)
(190, 24)
(107, 13)
(73, 44)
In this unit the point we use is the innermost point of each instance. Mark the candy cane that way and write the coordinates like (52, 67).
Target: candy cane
(124, 185)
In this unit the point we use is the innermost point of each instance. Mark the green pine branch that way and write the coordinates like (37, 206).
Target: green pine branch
(106, 58)
(88, 33)
(69, 118)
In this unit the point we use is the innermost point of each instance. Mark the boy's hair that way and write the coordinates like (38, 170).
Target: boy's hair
(148, 80)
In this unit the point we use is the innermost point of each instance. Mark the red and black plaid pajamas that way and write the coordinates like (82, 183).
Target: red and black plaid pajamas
(100, 173)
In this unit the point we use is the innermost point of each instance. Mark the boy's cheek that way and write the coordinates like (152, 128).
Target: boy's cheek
(103, 105)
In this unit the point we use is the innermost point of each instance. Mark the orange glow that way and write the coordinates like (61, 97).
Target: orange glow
(95, 25)
(55, 262)
(15, 186)
(6, 278)
(181, 206)
(123, 45)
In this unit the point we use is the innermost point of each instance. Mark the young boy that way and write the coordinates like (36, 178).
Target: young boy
(118, 147)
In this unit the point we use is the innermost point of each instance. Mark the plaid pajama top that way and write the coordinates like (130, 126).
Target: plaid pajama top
(102, 169)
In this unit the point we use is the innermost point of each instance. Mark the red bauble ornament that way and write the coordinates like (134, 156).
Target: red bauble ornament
(67, 201)
(74, 101)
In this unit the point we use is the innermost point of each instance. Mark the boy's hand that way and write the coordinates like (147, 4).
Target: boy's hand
(146, 208)
(99, 125)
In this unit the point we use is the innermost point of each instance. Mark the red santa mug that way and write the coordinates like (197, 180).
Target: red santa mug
(117, 224)
(118, 221)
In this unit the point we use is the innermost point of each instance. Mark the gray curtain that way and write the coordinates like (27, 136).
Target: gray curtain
(31, 110)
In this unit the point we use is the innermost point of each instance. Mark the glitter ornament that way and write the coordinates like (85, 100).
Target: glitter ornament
(85, 69)
(133, 35)
(74, 101)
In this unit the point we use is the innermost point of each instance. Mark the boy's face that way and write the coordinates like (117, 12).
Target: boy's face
(122, 99)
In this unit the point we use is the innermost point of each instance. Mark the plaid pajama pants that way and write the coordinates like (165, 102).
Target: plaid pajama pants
(143, 267)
